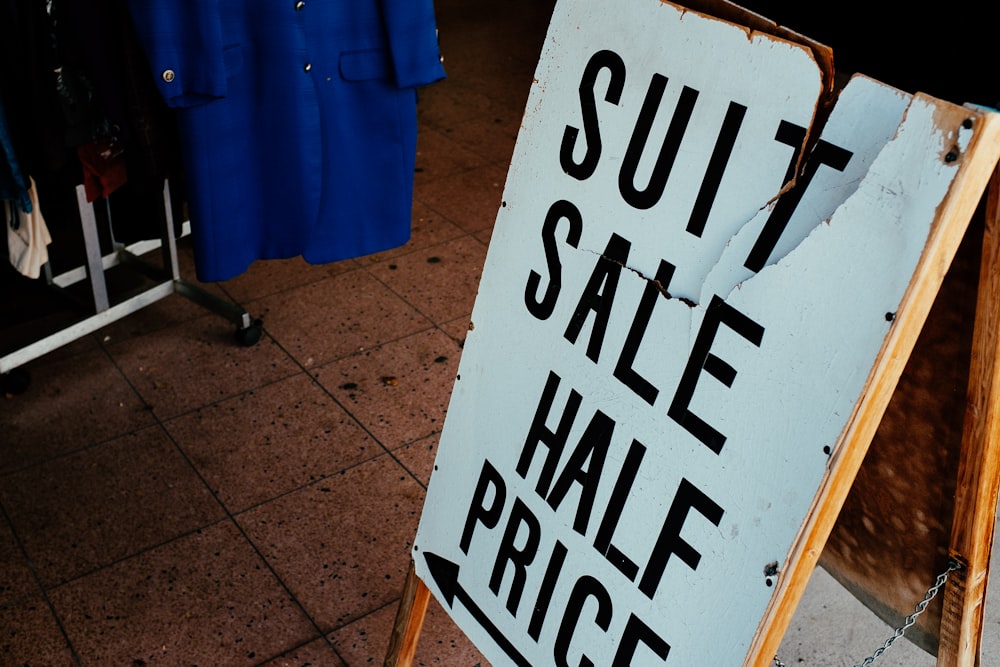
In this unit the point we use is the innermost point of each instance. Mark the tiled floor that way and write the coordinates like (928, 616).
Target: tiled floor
(168, 497)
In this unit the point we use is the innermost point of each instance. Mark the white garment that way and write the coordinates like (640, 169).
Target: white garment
(28, 243)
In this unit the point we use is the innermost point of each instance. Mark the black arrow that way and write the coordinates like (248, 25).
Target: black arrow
(445, 575)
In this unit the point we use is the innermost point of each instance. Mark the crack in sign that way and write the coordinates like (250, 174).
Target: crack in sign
(827, 180)
(655, 282)
(865, 118)
(862, 123)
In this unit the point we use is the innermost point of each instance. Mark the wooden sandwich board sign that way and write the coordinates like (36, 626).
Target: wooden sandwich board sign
(678, 357)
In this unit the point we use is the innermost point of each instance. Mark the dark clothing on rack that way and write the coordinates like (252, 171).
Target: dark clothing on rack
(82, 109)
(28, 88)
(119, 71)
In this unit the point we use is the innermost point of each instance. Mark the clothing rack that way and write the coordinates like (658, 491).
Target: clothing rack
(166, 281)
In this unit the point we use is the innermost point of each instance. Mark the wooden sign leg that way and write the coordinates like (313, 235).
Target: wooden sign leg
(409, 621)
(979, 465)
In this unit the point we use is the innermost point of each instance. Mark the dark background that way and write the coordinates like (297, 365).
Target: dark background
(948, 54)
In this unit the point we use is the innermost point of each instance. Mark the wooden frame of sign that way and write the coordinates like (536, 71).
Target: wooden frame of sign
(967, 140)
(978, 481)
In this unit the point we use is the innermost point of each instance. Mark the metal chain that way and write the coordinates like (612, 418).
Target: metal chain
(932, 592)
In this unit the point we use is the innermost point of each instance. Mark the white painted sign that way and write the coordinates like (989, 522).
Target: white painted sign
(663, 351)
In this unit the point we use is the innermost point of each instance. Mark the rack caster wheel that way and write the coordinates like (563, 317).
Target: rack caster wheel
(249, 336)
(15, 382)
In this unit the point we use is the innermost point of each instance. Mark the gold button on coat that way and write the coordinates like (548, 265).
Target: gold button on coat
(168, 75)
(300, 5)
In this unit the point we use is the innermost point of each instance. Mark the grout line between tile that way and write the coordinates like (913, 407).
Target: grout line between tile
(42, 591)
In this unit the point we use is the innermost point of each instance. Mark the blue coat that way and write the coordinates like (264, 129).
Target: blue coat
(297, 121)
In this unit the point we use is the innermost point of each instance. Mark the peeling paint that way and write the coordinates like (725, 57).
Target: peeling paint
(866, 117)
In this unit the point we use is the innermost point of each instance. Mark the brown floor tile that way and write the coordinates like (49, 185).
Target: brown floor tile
(29, 635)
(71, 403)
(484, 236)
(336, 317)
(418, 457)
(441, 643)
(428, 229)
(511, 93)
(181, 368)
(316, 653)
(458, 328)
(492, 137)
(440, 156)
(469, 199)
(452, 102)
(266, 277)
(270, 441)
(440, 281)
(96, 506)
(205, 599)
(16, 579)
(490, 61)
(398, 391)
(342, 545)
